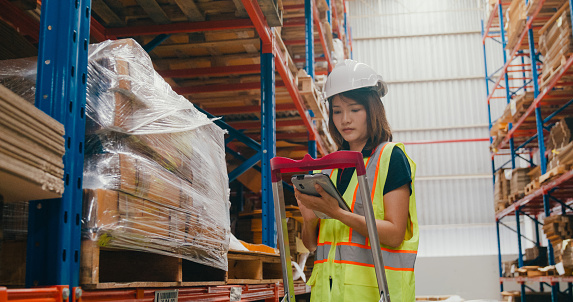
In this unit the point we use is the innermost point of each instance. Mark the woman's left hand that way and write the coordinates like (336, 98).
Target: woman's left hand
(325, 203)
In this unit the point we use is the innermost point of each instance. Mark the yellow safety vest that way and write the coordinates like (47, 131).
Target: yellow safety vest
(344, 267)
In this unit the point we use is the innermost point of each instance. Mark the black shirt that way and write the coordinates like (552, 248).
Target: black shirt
(399, 172)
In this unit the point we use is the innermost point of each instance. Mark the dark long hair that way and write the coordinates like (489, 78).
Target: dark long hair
(378, 127)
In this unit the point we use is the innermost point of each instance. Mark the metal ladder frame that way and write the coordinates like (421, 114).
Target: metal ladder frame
(336, 160)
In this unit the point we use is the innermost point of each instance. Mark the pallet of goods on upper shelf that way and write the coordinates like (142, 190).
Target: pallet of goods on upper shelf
(31, 151)
(559, 230)
(313, 98)
(548, 9)
(534, 175)
(559, 144)
(515, 20)
(155, 178)
(519, 105)
(556, 46)
(518, 182)
(501, 190)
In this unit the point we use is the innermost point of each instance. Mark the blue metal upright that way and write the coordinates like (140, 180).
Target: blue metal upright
(500, 269)
(309, 37)
(506, 80)
(520, 251)
(268, 145)
(329, 12)
(54, 229)
(541, 142)
(499, 254)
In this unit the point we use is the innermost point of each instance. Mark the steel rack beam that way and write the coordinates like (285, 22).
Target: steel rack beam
(43, 294)
(552, 115)
(97, 31)
(253, 292)
(22, 22)
(250, 125)
(236, 134)
(210, 71)
(186, 90)
(155, 42)
(246, 165)
(518, 232)
(545, 279)
(177, 28)
(246, 109)
(54, 229)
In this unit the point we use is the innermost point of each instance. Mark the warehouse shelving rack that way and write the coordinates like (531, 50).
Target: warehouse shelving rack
(64, 32)
(527, 135)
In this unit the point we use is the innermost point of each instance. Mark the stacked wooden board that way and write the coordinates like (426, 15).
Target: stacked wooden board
(31, 151)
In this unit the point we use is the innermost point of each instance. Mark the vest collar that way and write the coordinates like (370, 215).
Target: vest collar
(365, 151)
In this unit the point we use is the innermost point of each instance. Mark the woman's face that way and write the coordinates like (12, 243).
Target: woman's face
(349, 117)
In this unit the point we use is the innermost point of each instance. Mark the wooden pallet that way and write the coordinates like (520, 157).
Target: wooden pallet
(516, 196)
(102, 268)
(311, 96)
(553, 173)
(552, 72)
(253, 268)
(532, 186)
(501, 205)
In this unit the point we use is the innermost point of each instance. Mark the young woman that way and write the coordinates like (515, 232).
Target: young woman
(343, 267)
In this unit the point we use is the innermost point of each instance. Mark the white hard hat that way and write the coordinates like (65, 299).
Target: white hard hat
(349, 75)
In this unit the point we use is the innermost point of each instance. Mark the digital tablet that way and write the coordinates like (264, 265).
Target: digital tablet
(305, 184)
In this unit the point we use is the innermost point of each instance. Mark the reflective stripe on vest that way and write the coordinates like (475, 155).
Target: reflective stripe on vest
(321, 253)
(357, 251)
(351, 254)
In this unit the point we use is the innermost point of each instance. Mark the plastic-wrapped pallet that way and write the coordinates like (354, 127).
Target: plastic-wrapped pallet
(19, 75)
(155, 176)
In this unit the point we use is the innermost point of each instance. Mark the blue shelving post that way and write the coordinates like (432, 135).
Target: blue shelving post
(309, 37)
(329, 12)
(311, 142)
(268, 143)
(541, 143)
(511, 144)
(54, 229)
(309, 47)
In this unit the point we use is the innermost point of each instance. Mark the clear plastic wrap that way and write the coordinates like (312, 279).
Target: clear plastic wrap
(155, 175)
(19, 75)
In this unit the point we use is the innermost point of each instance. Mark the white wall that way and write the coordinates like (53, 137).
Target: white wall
(470, 277)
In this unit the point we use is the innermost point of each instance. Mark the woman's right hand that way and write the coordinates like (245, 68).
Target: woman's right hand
(307, 214)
